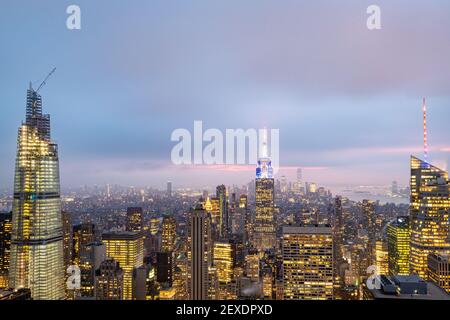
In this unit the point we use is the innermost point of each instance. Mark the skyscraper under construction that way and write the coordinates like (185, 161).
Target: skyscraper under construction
(37, 239)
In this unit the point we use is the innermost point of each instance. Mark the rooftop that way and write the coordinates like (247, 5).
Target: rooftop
(391, 289)
(314, 229)
(125, 235)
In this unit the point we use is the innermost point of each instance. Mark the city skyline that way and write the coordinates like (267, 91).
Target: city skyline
(348, 108)
(201, 151)
(279, 241)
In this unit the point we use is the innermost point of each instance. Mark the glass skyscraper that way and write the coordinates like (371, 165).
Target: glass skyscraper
(398, 234)
(37, 237)
(429, 214)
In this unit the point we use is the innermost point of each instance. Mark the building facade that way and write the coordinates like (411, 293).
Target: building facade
(398, 236)
(429, 214)
(109, 279)
(134, 219)
(307, 269)
(439, 270)
(5, 247)
(127, 248)
(168, 234)
(199, 253)
(37, 260)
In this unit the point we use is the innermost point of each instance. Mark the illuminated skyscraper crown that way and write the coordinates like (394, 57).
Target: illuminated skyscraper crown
(264, 169)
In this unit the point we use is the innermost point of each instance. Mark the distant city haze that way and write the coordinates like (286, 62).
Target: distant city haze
(347, 100)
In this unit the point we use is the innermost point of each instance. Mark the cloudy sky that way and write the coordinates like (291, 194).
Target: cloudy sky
(347, 100)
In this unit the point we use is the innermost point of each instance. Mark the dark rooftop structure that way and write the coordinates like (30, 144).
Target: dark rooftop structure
(405, 287)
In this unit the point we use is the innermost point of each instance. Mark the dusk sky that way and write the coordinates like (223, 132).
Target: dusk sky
(347, 100)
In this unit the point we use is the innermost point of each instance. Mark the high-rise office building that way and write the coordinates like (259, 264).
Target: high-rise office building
(429, 214)
(339, 260)
(169, 189)
(368, 208)
(439, 270)
(164, 267)
(224, 223)
(297, 185)
(37, 260)
(223, 257)
(243, 201)
(90, 259)
(180, 277)
(109, 281)
(307, 262)
(264, 235)
(245, 224)
(154, 225)
(338, 235)
(199, 253)
(223, 260)
(165, 259)
(168, 234)
(5, 247)
(140, 281)
(267, 282)
(213, 284)
(312, 188)
(238, 215)
(127, 248)
(134, 219)
(152, 244)
(252, 265)
(283, 184)
(83, 234)
(215, 210)
(381, 256)
(212, 206)
(152, 286)
(398, 237)
(67, 238)
(235, 216)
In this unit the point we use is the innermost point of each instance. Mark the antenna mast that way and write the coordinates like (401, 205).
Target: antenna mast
(425, 132)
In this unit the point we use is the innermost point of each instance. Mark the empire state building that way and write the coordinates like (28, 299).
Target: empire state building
(264, 236)
(36, 241)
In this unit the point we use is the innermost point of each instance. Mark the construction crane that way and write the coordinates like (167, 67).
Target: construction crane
(46, 78)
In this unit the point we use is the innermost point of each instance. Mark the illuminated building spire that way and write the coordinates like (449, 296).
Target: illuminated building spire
(264, 153)
(264, 229)
(425, 132)
(264, 167)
